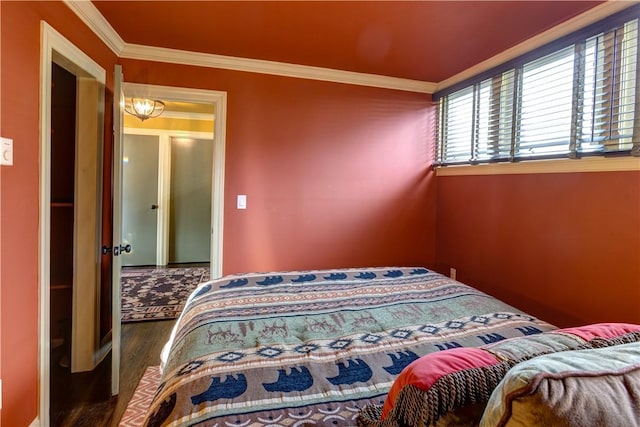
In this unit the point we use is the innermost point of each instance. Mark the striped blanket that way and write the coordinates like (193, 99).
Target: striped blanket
(315, 347)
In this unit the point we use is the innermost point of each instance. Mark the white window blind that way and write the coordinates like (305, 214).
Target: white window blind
(544, 119)
(578, 100)
(456, 126)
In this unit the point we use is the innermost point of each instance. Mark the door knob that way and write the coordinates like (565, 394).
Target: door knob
(153, 207)
(119, 249)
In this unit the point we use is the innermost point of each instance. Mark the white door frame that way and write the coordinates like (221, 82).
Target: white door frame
(54, 48)
(219, 100)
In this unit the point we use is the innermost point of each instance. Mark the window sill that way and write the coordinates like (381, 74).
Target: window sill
(589, 164)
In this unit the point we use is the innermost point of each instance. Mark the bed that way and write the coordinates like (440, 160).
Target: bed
(315, 347)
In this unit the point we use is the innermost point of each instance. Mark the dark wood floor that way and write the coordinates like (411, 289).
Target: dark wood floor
(84, 399)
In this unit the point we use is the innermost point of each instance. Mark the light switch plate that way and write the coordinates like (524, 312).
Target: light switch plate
(6, 151)
(242, 201)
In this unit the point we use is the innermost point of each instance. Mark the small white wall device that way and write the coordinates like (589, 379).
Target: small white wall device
(6, 151)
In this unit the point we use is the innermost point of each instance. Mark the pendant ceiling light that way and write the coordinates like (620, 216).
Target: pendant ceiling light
(143, 108)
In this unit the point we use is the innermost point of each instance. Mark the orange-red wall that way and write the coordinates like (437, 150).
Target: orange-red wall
(563, 247)
(19, 190)
(335, 175)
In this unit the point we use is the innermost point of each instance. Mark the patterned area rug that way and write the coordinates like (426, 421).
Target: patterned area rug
(139, 404)
(158, 293)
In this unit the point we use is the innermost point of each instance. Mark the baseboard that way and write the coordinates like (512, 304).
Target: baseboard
(35, 423)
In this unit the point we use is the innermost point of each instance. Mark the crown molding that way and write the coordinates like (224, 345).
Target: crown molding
(159, 54)
(92, 17)
(97, 23)
(567, 27)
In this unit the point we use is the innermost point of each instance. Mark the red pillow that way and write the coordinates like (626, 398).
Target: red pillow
(600, 330)
(425, 371)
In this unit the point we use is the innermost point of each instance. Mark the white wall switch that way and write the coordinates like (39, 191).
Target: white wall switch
(452, 273)
(242, 201)
(6, 151)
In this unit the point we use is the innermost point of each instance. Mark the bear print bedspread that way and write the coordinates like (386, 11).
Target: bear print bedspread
(314, 347)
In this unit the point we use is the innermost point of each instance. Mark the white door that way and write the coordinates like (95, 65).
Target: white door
(140, 169)
(190, 200)
(118, 102)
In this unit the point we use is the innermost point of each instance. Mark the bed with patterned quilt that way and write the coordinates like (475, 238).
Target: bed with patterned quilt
(315, 347)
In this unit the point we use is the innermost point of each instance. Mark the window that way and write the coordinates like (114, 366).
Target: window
(577, 100)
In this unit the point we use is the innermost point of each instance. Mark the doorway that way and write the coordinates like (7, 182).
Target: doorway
(166, 198)
(189, 103)
(72, 88)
